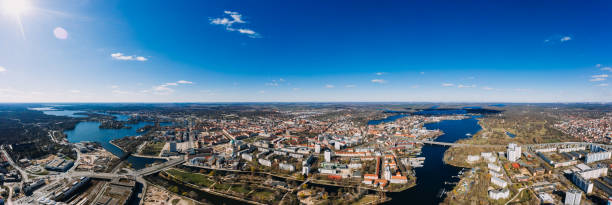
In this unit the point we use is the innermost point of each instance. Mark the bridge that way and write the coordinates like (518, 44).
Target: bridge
(452, 144)
(135, 174)
(528, 146)
(159, 167)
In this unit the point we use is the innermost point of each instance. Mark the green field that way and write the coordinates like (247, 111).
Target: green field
(153, 148)
(192, 178)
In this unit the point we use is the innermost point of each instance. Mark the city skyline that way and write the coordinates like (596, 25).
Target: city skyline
(318, 51)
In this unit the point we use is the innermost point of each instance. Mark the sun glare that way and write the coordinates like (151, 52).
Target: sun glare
(15, 7)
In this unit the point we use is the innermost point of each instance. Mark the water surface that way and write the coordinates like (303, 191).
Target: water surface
(432, 176)
(90, 131)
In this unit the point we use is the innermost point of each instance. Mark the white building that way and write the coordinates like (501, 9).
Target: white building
(486, 154)
(495, 174)
(305, 170)
(286, 167)
(338, 145)
(546, 198)
(513, 152)
(317, 148)
(247, 157)
(598, 156)
(472, 158)
(387, 173)
(327, 156)
(571, 149)
(265, 162)
(499, 182)
(572, 197)
(593, 173)
(494, 167)
(499, 194)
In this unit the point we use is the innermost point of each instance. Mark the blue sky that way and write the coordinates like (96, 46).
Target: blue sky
(253, 51)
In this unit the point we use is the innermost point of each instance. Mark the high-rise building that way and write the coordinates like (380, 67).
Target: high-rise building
(327, 156)
(582, 183)
(513, 153)
(572, 197)
(172, 146)
(305, 170)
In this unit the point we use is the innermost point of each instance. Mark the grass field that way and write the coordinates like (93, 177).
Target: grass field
(153, 148)
(193, 178)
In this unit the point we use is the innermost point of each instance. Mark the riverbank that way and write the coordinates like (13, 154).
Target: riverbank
(121, 148)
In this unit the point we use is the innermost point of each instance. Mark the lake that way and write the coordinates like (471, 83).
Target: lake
(67, 113)
(90, 131)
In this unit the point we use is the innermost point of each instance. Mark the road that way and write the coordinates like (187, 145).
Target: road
(516, 195)
(24, 175)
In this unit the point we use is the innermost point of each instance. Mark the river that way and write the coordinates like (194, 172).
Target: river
(432, 176)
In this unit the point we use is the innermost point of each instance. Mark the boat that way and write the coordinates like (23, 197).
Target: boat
(468, 134)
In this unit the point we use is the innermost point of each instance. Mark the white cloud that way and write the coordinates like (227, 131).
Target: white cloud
(246, 31)
(607, 68)
(554, 39)
(296, 89)
(184, 82)
(329, 86)
(597, 79)
(522, 90)
(262, 91)
(75, 91)
(565, 38)
(415, 86)
(598, 65)
(600, 76)
(380, 81)
(164, 89)
(422, 73)
(350, 86)
(448, 84)
(602, 85)
(2, 69)
(236, 18)
(114, 86)
(121, 56)
(487, 88)
(120, 92)
(60, 33)
(276, 83)
(466, 86)
(273, 84)
(380, 73)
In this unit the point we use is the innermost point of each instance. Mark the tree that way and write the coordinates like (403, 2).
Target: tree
(173, 189)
